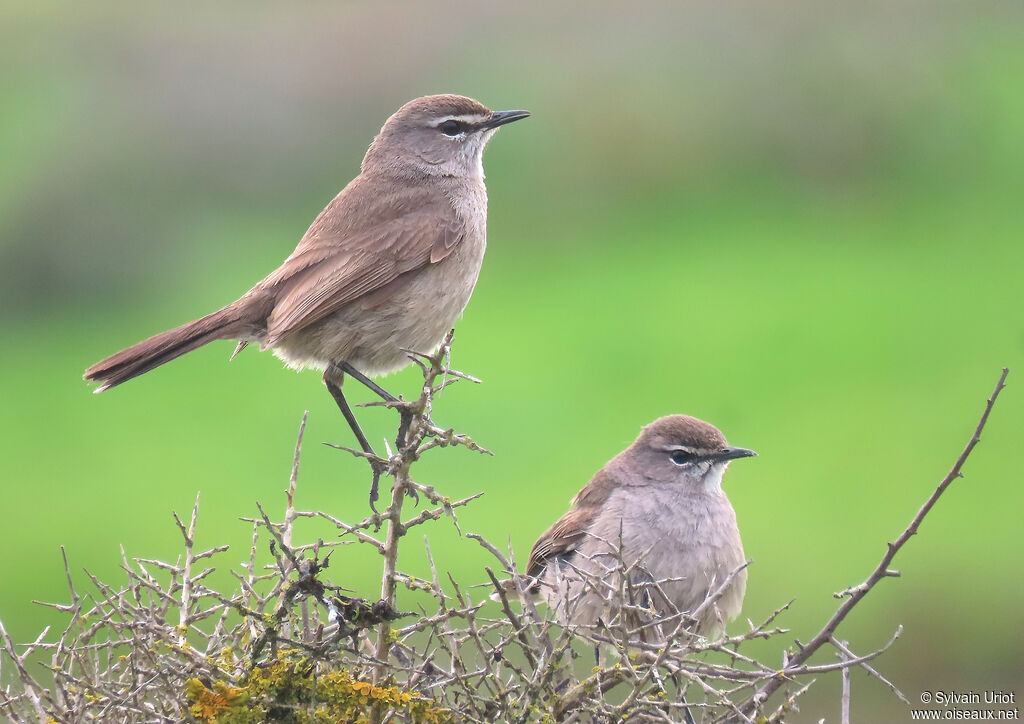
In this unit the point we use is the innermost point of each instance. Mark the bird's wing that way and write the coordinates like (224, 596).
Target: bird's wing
(560, 539)
(571, 529)
(363, 240)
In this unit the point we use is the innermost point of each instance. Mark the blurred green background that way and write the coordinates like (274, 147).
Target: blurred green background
(800, 222)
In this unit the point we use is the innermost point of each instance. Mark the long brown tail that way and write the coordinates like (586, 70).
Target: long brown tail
(150, 353)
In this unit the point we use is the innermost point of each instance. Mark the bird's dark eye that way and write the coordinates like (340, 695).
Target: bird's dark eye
(681, 457)
(451, 128)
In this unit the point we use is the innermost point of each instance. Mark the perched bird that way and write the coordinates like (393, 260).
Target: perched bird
(657, 514)
(387, 267)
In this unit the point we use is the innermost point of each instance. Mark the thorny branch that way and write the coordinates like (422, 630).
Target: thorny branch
(168, 647)
(855, 594)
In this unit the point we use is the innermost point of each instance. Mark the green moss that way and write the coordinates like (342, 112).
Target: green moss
(294, 690)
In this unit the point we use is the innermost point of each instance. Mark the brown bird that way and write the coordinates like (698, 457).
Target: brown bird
(388, 266)
(659, 508)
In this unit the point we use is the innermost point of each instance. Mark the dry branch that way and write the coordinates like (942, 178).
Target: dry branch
(853, 596)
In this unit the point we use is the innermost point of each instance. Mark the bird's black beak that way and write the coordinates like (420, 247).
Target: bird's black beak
(500, 118)
(732, 453)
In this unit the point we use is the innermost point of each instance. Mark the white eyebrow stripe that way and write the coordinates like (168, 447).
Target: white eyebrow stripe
(683, 448)
(469, 118)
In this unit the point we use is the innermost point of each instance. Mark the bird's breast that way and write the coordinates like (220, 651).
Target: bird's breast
(469, 201)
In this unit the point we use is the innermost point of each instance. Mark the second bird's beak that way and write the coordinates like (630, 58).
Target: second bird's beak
(500, 118)
(731, 453)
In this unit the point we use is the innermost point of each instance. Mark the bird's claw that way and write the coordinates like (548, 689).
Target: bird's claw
(378, 467)
(403, 428)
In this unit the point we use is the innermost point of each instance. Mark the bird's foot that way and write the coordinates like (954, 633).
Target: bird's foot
(378, 467)
(405, 415)
(407, 411)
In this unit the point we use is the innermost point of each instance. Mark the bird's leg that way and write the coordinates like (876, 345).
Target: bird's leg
(686, 709)
(404, 414)
(659, 635)
(380, 391)
(346, 410)
(350, 418)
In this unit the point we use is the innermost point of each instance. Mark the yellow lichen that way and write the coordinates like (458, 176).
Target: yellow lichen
(208, 704)
(294, 690)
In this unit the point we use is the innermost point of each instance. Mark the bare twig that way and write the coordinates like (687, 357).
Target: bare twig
(855, 594)
(841, 645)
(844, 697)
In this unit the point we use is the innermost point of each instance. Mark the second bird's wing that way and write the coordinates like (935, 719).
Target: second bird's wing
(559, 540)
(569, 531)
(363, 240)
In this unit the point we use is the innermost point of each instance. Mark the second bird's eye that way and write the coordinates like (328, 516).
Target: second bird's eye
(681, 457)
(451, 128)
